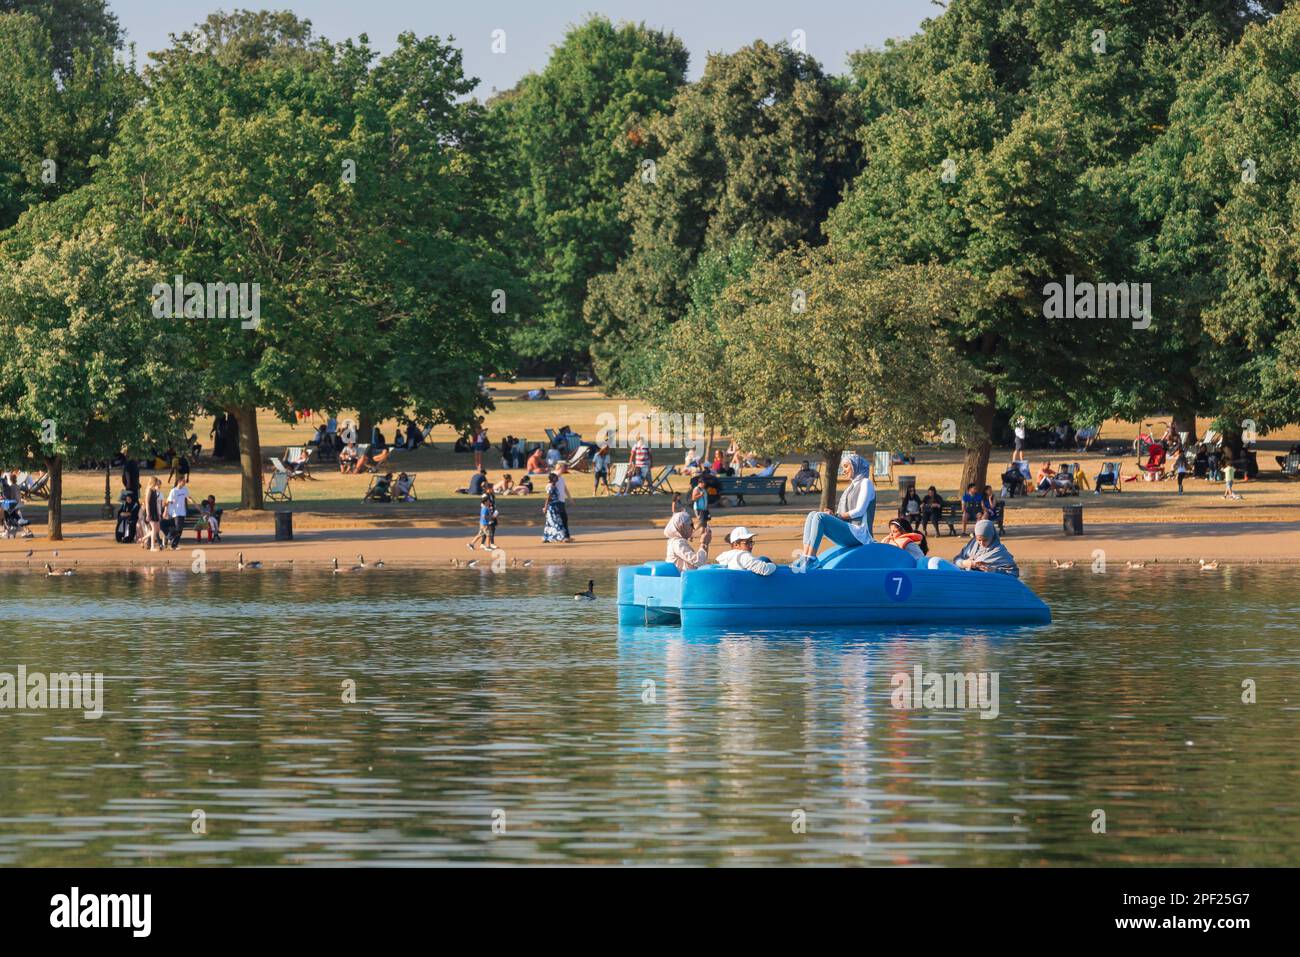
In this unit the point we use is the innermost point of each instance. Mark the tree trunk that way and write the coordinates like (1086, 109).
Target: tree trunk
(1233, 442)
(1185, 421)
(976, 466)
(231, 449)
(365, 427)
(250, 457)
(54, 521)
(830, 476)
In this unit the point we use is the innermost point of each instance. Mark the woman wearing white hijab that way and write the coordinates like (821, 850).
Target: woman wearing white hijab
(986, 553)
(856, 508)
(678, 531)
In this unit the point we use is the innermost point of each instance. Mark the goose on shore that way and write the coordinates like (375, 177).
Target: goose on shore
(589, 594)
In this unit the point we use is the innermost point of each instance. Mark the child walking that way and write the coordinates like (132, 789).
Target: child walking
(1229, 473)
(487, 524)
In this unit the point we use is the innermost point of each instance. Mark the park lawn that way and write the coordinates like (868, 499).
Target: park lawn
(331, 498)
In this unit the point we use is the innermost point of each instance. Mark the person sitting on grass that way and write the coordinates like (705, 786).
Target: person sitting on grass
(741, 555)
(986, 553)
(804, 479)
(537, 462)
(478, 483)
(524, 487)
(505, 486)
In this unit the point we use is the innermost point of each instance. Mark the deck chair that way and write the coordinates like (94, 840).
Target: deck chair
(1290, 465)
(882, 473)
(295, 458)
(618, 481)
(39, 489)
(659, 483)
(579, 461)
(277, 489)
(410, 490)
(1109, 475)
(380, 489)
(813, 487)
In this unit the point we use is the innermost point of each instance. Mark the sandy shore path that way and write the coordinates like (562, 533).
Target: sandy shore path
(1241, 542)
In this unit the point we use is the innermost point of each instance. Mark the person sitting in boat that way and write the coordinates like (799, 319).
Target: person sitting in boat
(679, 531)
(740, 555)
(902, 535)
(986, 553)
(850, 523)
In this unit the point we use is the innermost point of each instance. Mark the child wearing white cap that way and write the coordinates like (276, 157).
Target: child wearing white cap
(741, 554)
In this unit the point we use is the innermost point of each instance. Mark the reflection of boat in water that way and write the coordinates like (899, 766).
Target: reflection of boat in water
(874, 584)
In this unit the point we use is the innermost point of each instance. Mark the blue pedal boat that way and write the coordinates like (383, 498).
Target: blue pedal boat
(873, 584)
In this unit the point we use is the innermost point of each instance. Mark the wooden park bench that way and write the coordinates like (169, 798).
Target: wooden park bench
(753, 485)
(951, 515)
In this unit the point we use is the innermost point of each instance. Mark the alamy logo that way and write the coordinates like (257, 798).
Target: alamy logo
(213, 300)
(39, 691)
(955, 690)
(1105, 300)
(134, 911)
(659, 430)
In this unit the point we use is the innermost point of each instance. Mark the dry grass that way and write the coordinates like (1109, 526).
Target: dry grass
(332, 499)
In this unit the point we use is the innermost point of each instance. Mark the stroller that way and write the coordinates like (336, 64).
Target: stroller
(13, 523)
(128, 517)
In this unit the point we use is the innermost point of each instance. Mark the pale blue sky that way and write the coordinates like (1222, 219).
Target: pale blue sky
(833, 28)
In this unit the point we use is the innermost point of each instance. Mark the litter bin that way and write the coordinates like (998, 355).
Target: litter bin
(284, 526)
(1072, 519)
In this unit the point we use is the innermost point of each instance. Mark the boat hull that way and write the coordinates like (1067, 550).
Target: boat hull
(847, 591)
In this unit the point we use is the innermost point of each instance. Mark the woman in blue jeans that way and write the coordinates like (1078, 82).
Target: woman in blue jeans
(851, 523)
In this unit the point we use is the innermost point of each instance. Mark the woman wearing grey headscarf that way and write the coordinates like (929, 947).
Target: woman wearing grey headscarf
(986, 553)
(850, 525)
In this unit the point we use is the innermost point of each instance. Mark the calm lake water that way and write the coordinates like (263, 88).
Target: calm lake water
(483, 697)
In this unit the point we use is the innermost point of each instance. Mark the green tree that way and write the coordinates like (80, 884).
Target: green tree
(816, 349)
(758, 149)
(575, 136)
(83, 360)
(1216, 195)
(72, 25)
(995, 139)
(59, 109)
(348, 188)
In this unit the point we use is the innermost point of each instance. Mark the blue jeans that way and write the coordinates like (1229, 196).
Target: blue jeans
(819, 525)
